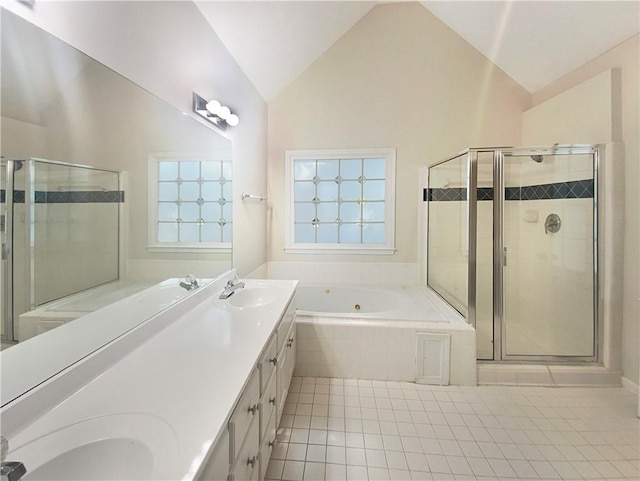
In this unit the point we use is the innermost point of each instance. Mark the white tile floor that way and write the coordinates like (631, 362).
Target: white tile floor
(345, 429)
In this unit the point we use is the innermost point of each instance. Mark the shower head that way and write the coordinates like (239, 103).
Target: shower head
(537, 158)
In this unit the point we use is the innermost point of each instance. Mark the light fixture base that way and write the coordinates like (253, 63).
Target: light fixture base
(200, 108)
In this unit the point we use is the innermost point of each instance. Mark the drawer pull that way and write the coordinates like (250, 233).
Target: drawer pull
(253, 409)
(251, 462)
(272, 400)
(290, 342)
(274, 361)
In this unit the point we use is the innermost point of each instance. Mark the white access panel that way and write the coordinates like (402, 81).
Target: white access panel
(433, 358)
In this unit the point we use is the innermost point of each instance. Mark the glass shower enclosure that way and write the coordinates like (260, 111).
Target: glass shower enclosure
(60, 234)
(512, 245)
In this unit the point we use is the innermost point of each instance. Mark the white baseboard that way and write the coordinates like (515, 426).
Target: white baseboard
(629, 385)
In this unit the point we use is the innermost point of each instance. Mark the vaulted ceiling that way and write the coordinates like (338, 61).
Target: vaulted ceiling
(535, 42)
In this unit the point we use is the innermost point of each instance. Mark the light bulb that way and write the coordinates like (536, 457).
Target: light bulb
(233, 120)
(224, 112)
(213, 106)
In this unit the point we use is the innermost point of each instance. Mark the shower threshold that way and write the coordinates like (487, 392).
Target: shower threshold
(552, 375)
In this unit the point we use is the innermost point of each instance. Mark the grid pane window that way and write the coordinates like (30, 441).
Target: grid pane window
(194, 203)
(339, 201)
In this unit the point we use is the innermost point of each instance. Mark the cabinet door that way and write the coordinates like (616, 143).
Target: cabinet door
(267, 363)
(285, 324)
(268, 403)
(266, 445)
(217, 466)
(246, 466)
(282, 385)
(243, 415)
(292, 345)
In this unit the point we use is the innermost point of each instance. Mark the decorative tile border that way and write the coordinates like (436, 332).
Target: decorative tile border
(69, 197)
(577, 189)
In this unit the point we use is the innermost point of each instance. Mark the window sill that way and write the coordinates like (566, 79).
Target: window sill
(340, 250)
(192, 249)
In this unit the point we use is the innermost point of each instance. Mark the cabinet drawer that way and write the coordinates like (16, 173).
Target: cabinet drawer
(266, 445)
(267, 405)
(246, 466)
(246, 411)
(217, 467)
(285, 324)
(267, 363)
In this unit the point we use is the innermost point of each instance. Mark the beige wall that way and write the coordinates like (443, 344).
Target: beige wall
(399, 78)
(625, 57)
(134, 39)
(583, 114)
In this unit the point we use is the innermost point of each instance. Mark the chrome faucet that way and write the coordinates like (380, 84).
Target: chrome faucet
(190, 282)
(232, 286)
(10, 470)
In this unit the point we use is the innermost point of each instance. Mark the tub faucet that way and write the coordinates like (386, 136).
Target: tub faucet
(232, 286)
(190, 282)
(10, 470)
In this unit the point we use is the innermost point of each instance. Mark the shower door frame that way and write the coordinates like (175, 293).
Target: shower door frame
(499, 254)
(498, 321)
(10, 331)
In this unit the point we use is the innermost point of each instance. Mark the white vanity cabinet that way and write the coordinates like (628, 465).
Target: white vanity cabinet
(244, 449)
(286, 333)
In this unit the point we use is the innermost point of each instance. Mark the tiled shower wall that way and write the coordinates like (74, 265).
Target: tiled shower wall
(75, 233)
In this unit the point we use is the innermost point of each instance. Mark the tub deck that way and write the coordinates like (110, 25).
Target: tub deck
(402, 303)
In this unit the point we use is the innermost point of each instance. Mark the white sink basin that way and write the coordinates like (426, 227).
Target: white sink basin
(249, 297)
(115, 447)
(129, 459)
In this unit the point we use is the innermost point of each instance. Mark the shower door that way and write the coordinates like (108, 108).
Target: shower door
(60, 235)
(544, 254)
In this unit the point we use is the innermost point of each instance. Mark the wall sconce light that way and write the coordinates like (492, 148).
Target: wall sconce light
(213, 111)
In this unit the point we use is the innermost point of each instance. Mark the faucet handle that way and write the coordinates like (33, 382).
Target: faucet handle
(12, 470)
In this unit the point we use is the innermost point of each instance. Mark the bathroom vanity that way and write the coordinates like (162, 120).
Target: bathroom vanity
(194, 393)
(244, 448)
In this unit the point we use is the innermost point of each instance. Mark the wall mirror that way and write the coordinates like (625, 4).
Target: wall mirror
(103, 184)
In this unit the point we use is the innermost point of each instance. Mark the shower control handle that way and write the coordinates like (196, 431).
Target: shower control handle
(552, 224)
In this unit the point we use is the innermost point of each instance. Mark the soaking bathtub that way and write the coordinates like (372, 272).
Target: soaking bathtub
(382, 333)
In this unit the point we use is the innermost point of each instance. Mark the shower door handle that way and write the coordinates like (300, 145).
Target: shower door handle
(504, 257)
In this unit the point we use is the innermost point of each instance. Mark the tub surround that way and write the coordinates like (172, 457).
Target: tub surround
(320, 269)
(381, 340)
(176, 377)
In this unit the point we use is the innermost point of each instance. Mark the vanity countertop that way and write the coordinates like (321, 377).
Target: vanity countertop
(176, 390)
